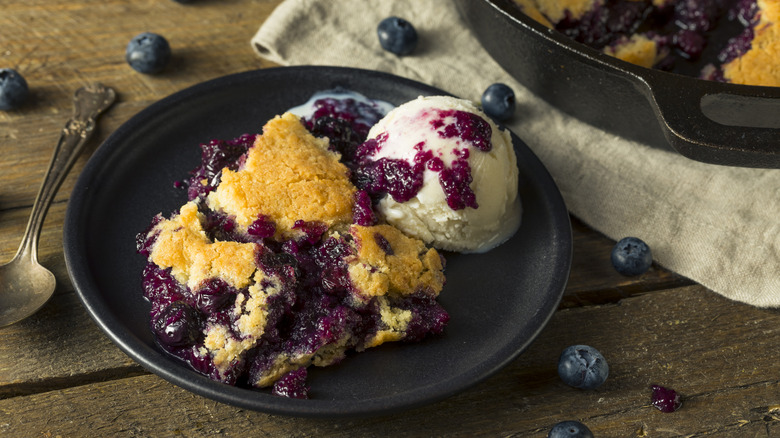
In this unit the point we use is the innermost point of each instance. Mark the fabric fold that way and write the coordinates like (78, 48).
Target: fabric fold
(716, 225)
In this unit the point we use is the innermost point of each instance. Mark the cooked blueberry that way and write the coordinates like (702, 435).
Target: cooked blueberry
(262, 227)
(148, 53)
(665, 399)
(631, 256)
(570, 429)
(498, 101)
(582, 366)
(690, 43)
(13, 89)
(397, 35)
(383, 244)
(362, 213)
(178, 325)
(312, 230)
(214, 295)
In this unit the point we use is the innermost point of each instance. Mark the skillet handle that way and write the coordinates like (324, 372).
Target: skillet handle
(728, 124)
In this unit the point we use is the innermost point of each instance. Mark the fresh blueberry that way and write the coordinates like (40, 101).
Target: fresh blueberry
(148, 53)
(665, 399)
(13, 89)
(570, 429)
(582, 366)
(498, 101)
(397, 35)
(631, 256)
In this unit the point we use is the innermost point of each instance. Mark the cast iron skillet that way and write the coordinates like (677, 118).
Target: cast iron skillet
(713, 122)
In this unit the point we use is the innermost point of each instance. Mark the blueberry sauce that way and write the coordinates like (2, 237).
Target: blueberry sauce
(215, 156)
(345, 117)
(402, 180)
(694, 37)
(363, 214)
(314, 303)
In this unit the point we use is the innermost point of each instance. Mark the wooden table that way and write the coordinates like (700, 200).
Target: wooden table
(61, 376)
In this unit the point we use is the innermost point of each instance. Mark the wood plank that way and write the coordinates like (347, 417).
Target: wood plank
(593, 279)
(658, 338)
(58, 347)
(58, 45)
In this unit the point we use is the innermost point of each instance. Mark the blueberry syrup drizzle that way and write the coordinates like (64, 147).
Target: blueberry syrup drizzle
(403, 181)
(315, 304)
(263, 227)
(467, 126)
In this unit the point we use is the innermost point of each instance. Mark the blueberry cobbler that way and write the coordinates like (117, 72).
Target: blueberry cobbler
(278, 261)
(735, 41)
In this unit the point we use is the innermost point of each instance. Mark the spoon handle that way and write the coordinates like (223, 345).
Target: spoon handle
(89, 102)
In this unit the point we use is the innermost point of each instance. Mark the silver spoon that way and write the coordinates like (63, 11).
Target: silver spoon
(25, 285)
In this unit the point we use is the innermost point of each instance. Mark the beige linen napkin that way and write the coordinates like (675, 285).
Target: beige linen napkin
(719, 226)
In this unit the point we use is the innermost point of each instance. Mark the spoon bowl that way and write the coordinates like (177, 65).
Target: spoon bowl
(25, 285)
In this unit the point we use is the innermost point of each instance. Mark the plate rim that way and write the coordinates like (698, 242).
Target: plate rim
(82, 280)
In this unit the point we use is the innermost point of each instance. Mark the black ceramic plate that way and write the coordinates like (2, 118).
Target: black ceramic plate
(498, 301)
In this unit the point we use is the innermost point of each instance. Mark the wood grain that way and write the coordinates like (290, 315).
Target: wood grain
(61, 45)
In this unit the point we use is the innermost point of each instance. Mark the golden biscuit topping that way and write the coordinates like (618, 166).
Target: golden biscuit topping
(761, 64)
(289, 175)
(390, 263)
(556, 10)
(638, 50)
(183, 246)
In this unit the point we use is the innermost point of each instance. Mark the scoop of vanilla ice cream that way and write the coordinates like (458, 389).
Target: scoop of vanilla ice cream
(443, 133)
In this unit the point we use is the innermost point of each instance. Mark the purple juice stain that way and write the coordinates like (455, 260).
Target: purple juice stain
(215, 156)
(292, 385)
(382, 242)
(455, 181)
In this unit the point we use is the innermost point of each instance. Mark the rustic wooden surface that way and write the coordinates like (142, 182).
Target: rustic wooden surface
(60, 376)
